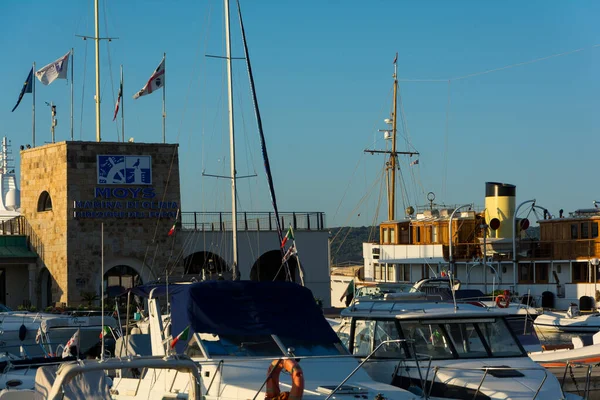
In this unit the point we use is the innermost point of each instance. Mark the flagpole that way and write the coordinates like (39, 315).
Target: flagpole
(33, 105)
(102, 291)
(164, 113)
(72, 62)
(122, 108)
(300, 268)
(97, 39)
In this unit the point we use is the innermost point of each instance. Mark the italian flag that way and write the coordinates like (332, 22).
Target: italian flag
(172, 230)
(288, 235)
(105, 331)
(182, 336)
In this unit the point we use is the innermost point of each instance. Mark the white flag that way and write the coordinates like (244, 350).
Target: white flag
(55, 70)
(156, 81)
(74, 341)
(289, 253)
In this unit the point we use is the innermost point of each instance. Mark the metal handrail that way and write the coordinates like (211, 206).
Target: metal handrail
(588, 377)
(219, 367)
(486, 370)
(363, 362)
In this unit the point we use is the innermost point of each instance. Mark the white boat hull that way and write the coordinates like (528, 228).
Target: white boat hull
(560, 322)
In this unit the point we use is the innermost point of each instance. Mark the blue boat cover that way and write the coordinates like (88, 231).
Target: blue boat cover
(246, 308)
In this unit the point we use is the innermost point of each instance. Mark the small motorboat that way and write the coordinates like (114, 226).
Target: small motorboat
(571, 321)
(583, 350)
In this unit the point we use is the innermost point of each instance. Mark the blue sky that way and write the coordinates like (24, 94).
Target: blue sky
(323, 73)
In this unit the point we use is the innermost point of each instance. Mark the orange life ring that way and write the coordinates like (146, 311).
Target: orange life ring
(502, 301)
(293, 368)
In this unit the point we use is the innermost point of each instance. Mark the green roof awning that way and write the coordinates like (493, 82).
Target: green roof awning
(15, 246)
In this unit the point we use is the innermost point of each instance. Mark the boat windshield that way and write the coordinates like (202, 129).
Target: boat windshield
(476, 338)
(439, 339)
(260, 346)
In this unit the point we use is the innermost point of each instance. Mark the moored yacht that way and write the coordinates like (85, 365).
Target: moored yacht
(243, 334)
(487, 248)
(458, 352)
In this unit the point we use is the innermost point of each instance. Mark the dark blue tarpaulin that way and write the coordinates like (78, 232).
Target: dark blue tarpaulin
(246, 308)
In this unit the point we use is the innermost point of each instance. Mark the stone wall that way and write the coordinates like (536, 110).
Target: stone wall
(45, 169)
(135, 228)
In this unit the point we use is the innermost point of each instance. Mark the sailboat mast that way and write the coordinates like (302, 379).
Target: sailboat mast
(97, 40)
(234, 266)
(392, 163)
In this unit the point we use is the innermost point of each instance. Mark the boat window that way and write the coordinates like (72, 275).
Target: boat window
(343, 333)
(594, 230)
(466, 340)
(391, 272)
(541, 272)
(386, 236)
(386, 330)
(584, 230)
(434, 234)
(574, 233)
(463, 338)
(240, 346)
(525, 273)
(193, 349)
(428, 339)
(501, 342)
(378, 271)
(363, 336)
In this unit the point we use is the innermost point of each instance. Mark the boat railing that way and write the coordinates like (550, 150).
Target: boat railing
(492, 298)
(486, 371)
(219, 369)
(383, 305)
(359, 366)
(568, 368)
(179, 363)
(252, 221)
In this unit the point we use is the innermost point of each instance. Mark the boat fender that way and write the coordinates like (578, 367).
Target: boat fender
(293, 368)
(22, 332)
(503, 300)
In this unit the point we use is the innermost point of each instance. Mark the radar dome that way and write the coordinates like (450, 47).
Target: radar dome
(13, 199)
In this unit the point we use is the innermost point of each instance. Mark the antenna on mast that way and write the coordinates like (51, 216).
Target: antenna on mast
(97, 39)
(391, 165)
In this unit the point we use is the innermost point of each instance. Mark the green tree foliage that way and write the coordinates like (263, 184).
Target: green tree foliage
(346, 243)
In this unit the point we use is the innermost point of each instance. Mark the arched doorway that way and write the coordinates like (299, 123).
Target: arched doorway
(120, 278)
(46, 288)
(269, 267)
(207, 265)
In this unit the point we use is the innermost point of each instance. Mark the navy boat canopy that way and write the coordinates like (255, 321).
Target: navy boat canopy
(246, 308)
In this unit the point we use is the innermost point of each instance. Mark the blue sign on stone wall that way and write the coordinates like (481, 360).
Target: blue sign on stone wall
(124, 170)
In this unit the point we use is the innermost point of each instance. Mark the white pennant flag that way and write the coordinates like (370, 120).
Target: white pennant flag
(156, 81)
(74, 341)
(55, 70)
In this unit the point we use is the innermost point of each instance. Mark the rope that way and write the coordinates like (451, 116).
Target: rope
(409, 146)
(489, 71)
(445, 175)
(377, 209)
(375, 182)
(358, 163)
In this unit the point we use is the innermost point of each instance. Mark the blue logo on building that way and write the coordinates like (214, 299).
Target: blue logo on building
(124, 170)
